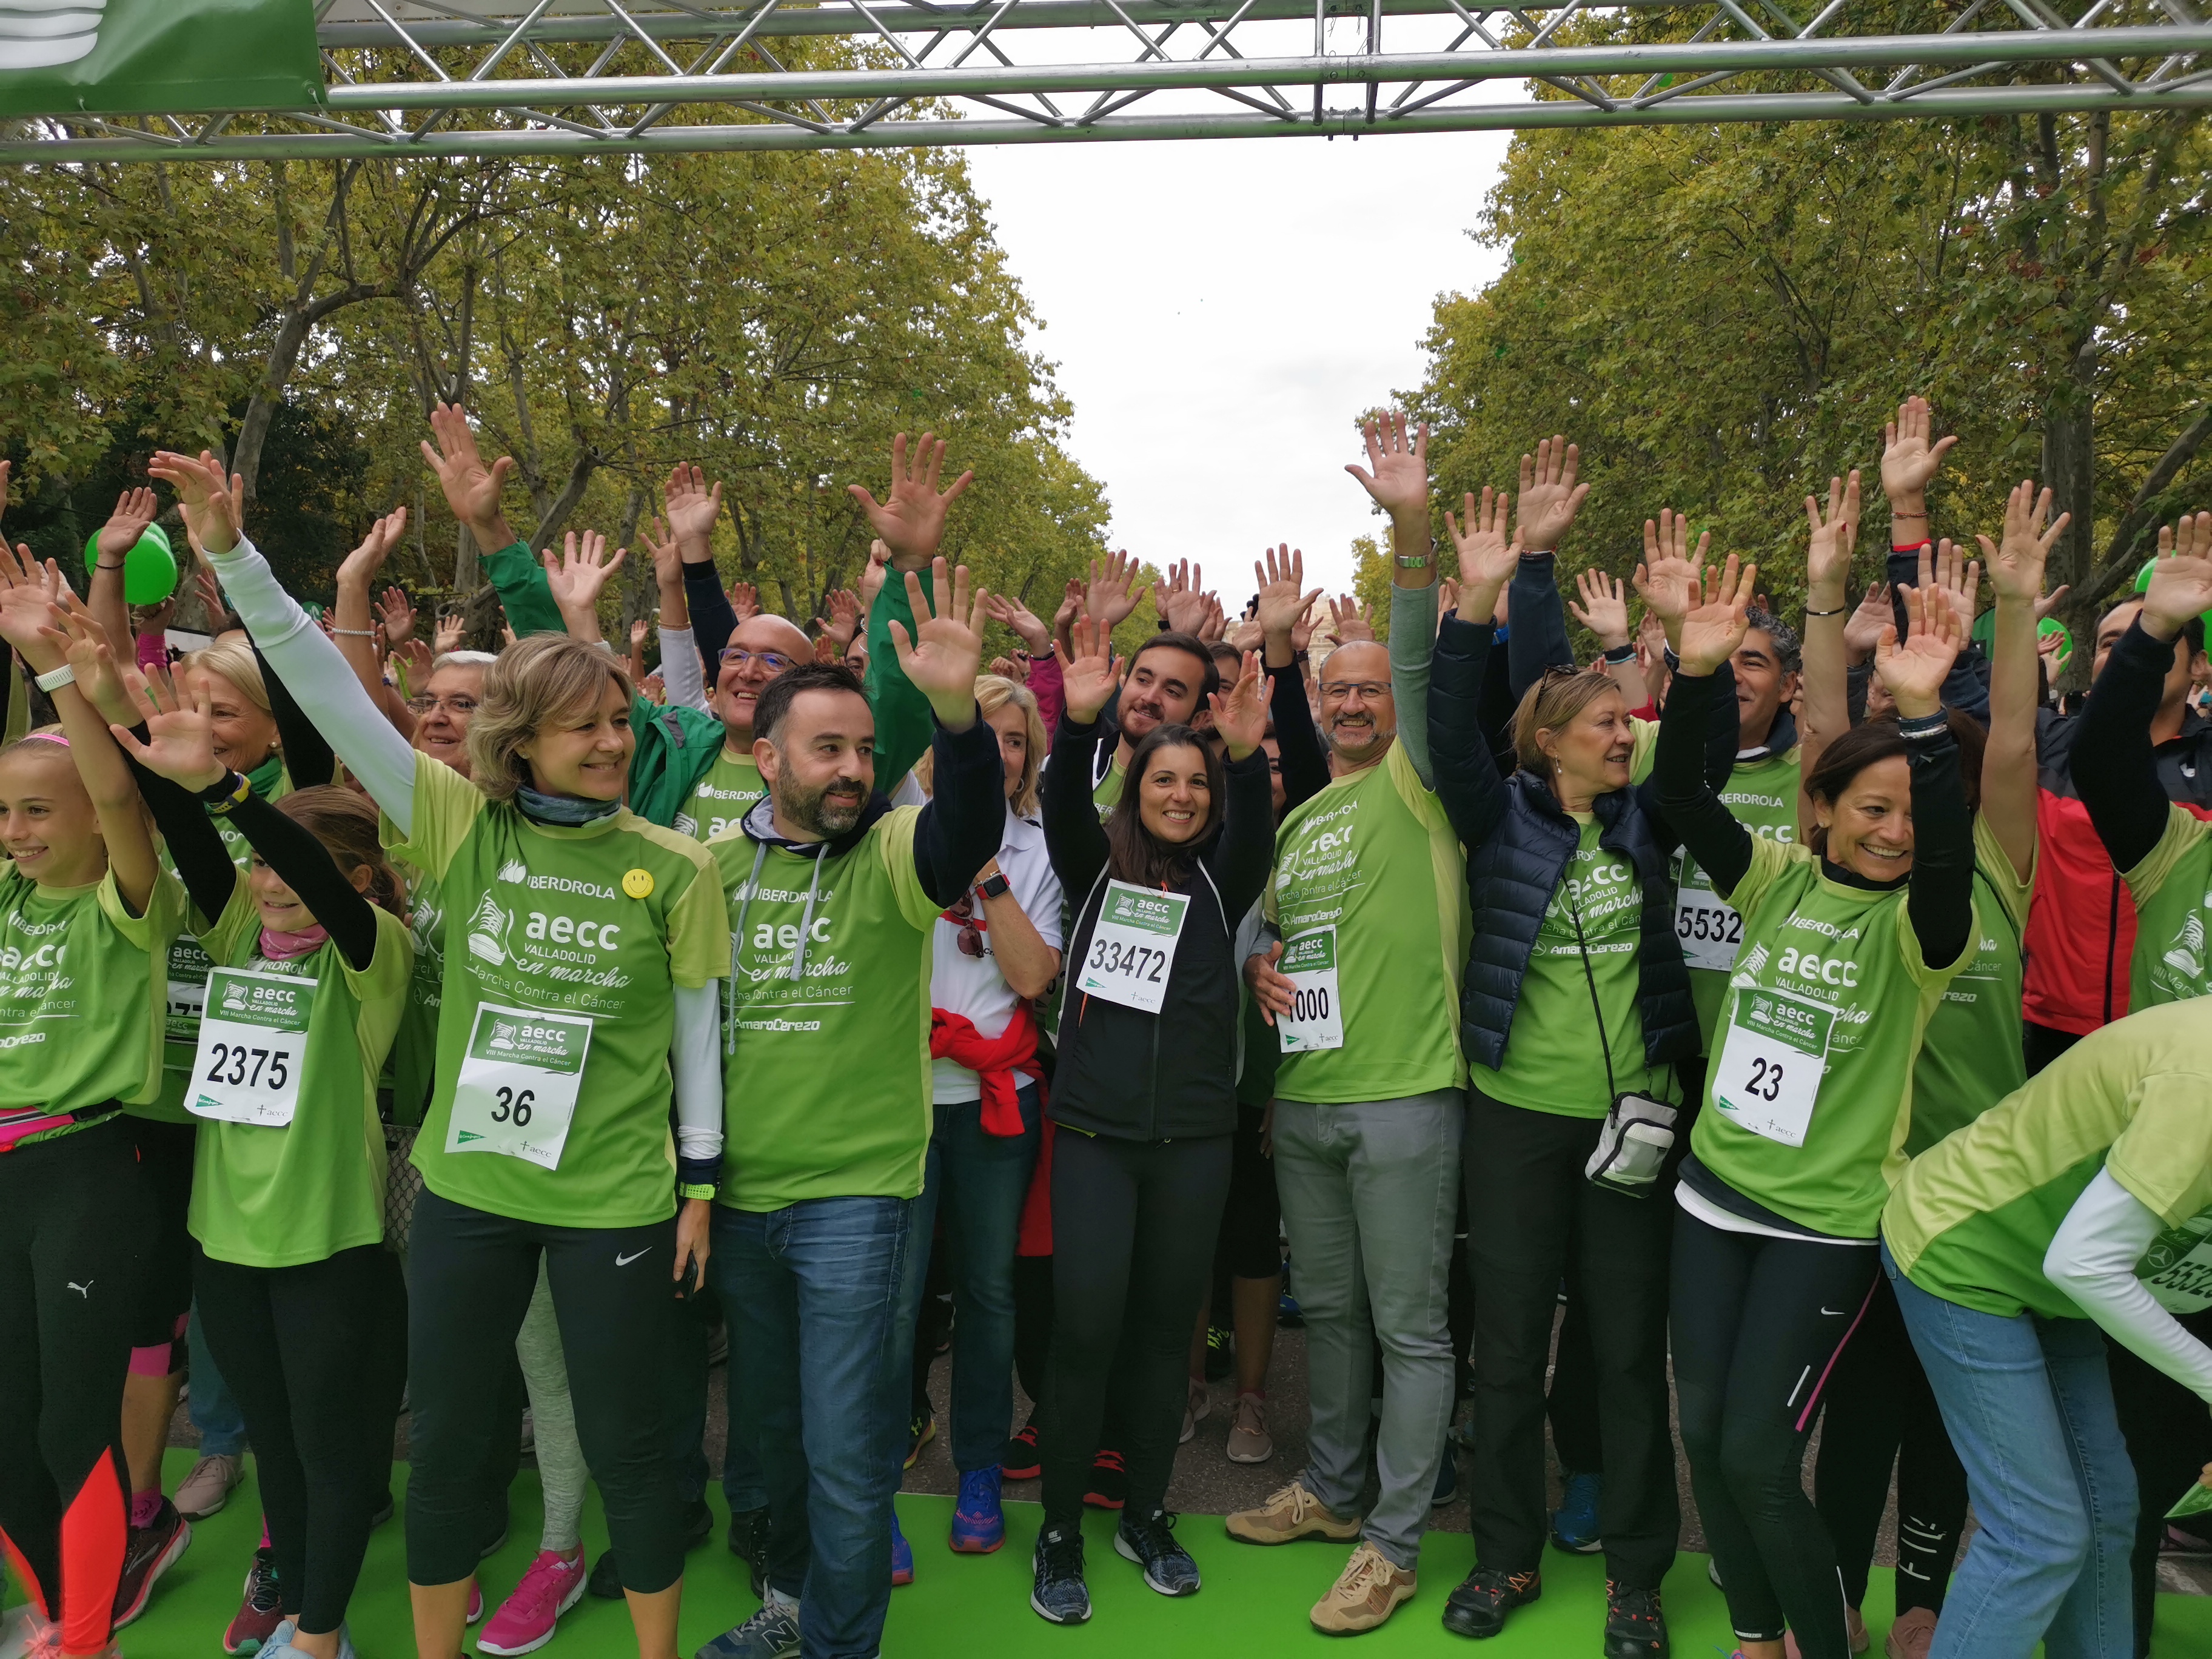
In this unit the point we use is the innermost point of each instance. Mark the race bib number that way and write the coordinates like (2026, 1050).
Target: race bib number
(516, 1094)
(1769, 1075)
(253, 1038)
(1316, 1016)
(189, 966)
(1709, 928)
(2178, 1271)
(1133, 946)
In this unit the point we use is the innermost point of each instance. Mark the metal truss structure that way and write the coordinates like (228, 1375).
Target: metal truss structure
(567, 78)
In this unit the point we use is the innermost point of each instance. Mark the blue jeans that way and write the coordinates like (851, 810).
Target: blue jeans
(215, 1411)
(981, 1180)
(813, 1292)
(2029, 1405)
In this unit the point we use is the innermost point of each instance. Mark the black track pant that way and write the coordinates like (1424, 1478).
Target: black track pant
(297, 1345)
(1881, 1410)
(470, 1282)
(1133, 1227)
(1758, 1324)
(2169, 1442)
(76, 1226)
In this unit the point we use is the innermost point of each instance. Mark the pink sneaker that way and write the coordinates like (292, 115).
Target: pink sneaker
(525, 1619)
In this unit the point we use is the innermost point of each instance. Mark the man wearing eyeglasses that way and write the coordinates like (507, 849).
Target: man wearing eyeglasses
(761, 647)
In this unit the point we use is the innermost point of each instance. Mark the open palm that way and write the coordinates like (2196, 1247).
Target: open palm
(1089, 674)
(471, 489)
(1240, 713)
(1283, 597)
(2181, 580)
(910, 519)
(1668, 578)
(1487, 551)
(1912, 670)
(947, 646)
(134, 511)
(2016, 562)
(1713, 628)
(1396, 475)
(180, 731)
(1550, 496)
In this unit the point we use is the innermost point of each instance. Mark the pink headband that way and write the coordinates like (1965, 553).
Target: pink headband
(46, 737)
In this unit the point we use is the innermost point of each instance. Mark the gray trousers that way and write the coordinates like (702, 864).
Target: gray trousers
(1370, 1192)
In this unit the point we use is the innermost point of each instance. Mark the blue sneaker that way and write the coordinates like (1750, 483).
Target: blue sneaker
(1447, 1486)
(1574, 1523)
(1150, 1542)
(979, 1524)
(1058, 1592)
(902, 1555)
(771, 1633)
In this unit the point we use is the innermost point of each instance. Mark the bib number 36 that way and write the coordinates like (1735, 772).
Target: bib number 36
(516, 1093)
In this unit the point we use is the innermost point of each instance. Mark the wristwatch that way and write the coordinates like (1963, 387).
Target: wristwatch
(1413, 560)
(995, 885)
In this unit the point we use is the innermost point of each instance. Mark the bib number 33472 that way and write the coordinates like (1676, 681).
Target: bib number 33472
(1769, 1077)
(516, 1093)
(1133, 946)
(253, 1036)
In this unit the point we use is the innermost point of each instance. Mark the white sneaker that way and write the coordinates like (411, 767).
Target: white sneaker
(208, 1487)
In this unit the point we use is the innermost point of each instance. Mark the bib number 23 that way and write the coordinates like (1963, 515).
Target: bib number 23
(1133, 946)
(1771, 1065)
(516, 1093)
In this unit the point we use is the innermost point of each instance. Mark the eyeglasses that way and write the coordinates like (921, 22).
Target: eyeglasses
(459, 707)
(776, 662)
(1371, 689)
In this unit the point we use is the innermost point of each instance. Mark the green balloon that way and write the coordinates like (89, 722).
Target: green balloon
(150, 570)
(2050, 625)
(2142, 586)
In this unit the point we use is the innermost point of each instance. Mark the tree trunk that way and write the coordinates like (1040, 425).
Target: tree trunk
(2070, 469)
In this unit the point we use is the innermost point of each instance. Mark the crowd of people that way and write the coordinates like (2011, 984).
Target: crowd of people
(1807, 1008)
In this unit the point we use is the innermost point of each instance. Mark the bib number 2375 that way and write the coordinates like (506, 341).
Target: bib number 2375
(253, 1036)
(516, 1093)
(1133, 946)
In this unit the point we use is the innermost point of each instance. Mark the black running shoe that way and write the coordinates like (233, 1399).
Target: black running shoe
(1220, 1358)
(1059, 1593)
(1478, 1608)
(1150, 1542)
(1109, 1482)
(749, 1543)
(1022, 1459)
(1635, 1628)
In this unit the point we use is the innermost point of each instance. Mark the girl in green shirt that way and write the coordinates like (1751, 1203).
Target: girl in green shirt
(1847, 945)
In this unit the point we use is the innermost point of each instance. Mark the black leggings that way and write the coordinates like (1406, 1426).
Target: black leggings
(1881, 1411)
(297, 1345)
(1250, 1243)
(470, 1279)
(76, 1226)
(1133, 1227)
(164, 1288)
(1758, 1324)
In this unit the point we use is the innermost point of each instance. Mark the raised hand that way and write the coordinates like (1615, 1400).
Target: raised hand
(1071, 604)
(745, 601)
(472, 489)
(844, 619)
(873, 574)
(91, 658)
(1089, 672)
(692, 507)
(1549, 497)
(1487, 553)
(180, 741)
(580, 574)
(1182, 599)
(1344, 615)
(1834, 537)
(214, 503)
(1604, 607)
(417, 658)
(1716, 624)
(1913, 670)
(1862, 628)
(360, 566)
(1396, 476)
(1113, 594)
(1285, 599)
(30, 606)
(397, 616)
(452, 626)
(1215, 622)
(1668, 578)
(947, 649)
(2017, 563)
(637, 631)
(1010, 612)
(910, 519)
(1240, 713)
(666, 552)
(2181, 580)
(1909, 460)
(1956, 577)
(134, 510)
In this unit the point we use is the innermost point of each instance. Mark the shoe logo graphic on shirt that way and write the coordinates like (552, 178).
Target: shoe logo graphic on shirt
(85, 1289)
(624, 1261)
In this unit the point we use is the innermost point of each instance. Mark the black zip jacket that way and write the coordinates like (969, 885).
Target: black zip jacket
(1172, 1075)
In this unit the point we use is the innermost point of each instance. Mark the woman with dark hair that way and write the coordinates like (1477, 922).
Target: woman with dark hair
(1146, 1081)
(1848, 946)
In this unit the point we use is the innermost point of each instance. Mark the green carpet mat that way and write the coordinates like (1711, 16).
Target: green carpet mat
(961, 1607)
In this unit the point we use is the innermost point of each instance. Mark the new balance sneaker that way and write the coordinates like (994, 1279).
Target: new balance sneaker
(1291, 1512)
(920, 1432)
(551, 1585)
(902, 1555)
(1574, 1523)
(207, 1488)
(1367, 1592)
(151, 1551)
(1635, 1628)
(1478, 1608)
(1022, 1459)
(771, 1633)
(1150, 1542)
(260, 1609)
(1109, 1482)
(1057, 1592)
(979, 1522)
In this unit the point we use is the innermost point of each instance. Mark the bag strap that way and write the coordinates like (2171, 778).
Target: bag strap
(1575, 915)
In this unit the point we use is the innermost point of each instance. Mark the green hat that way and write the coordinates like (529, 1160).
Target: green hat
(2142, 586)
(150, 570)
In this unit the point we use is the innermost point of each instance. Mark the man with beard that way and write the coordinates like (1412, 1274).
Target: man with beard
(834, 896)
(1368, 918)
(1168, 681)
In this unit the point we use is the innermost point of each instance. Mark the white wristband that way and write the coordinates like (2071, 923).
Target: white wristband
(61, 677)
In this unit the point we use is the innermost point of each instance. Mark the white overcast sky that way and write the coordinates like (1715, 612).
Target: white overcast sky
(1221, 310)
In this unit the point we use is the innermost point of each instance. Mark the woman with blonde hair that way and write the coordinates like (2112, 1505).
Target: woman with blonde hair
(581, 948)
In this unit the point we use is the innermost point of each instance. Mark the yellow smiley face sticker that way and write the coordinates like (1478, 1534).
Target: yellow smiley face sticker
(638, 883)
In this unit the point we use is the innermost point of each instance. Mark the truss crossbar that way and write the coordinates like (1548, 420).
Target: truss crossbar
(566, 77)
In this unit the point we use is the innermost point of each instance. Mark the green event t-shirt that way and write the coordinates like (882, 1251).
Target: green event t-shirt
(1106, 794)
(1971, 1057)
(722, 797)
(1762, 796)
(270, 1197)
(826, 1079)
(1849, 955)
(530, 909)
(1973, 1217)
(414, 1066)
(2172, 891)
(81, 1006)
(1552, 1062)
(1373, 856)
